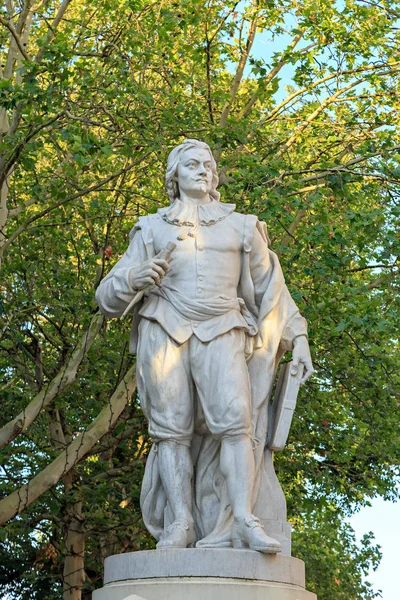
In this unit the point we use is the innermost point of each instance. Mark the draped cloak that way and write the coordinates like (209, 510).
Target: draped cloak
(278, 323)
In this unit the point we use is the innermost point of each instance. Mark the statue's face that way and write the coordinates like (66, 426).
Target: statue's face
(194, 174)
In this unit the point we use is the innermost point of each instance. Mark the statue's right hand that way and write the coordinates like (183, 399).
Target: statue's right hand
(149, 272)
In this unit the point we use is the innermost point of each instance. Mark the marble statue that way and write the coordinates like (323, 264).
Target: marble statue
(211, 321)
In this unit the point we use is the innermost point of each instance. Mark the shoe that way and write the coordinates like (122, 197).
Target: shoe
(178, 535)
(247, 532)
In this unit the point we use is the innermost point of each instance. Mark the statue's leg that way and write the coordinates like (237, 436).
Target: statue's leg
(166, 394)
(222, 381)
(176, 471)
(237, 467)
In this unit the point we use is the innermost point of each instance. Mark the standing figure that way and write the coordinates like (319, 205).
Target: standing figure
(209, 334)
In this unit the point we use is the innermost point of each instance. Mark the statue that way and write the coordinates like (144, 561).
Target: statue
(211, 321)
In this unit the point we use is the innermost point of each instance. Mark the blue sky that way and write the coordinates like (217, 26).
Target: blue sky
(383, 519)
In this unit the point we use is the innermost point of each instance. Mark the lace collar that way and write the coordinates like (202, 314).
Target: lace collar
(189, 215)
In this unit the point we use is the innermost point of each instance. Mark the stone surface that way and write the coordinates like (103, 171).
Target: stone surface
(209, 327)
(283, 407)
(134, 597)
(207, 574)
(193, 588)
(204, 562)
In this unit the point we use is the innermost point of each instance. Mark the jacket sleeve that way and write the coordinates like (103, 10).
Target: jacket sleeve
(270, 291)
(116, 291)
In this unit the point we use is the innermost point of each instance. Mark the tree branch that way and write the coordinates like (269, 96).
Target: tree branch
(16, 37)
(324, 104)
(319, 82)
(18, 149)
(239, 71)
(16, 502)
(322, 173)
(267, 80)
(64, 377)
(209, 41)
(293, 226)
(52, 207)
(52, 33)
(14, 212)
(117, 471)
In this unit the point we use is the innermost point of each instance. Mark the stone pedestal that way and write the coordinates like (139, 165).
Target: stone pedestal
(203, 574)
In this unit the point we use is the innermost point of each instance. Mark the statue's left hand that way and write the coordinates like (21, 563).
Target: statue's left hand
(302, 363)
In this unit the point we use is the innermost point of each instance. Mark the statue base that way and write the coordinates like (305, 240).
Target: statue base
(203, 574)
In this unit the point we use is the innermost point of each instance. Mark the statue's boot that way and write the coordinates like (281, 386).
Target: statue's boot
(178, 535)
(247, 532)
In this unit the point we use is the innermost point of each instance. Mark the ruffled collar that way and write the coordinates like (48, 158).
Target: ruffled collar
(181, 214)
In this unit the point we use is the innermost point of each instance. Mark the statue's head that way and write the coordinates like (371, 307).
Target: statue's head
(191, 164)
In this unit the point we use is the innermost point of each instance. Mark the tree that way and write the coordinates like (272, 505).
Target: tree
(93, 95)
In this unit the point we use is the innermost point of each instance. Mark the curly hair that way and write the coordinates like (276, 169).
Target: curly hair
(172, 167)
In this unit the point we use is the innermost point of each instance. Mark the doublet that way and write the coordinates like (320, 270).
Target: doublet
(205, 272)
(218, 274)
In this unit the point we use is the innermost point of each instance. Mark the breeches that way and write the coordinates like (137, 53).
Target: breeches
(183, 387)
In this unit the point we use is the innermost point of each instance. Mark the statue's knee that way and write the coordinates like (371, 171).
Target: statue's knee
(243, 419)
(174, 443)
(233, 437)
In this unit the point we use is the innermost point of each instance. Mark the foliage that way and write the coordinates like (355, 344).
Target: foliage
(300, 103)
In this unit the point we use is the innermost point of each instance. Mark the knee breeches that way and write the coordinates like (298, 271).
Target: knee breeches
(176, 382)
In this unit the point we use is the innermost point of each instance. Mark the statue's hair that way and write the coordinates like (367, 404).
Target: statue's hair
(172, 167)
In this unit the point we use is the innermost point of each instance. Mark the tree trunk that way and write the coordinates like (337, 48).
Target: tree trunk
(74, 561)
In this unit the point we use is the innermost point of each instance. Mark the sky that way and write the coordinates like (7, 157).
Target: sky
(383, 519)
